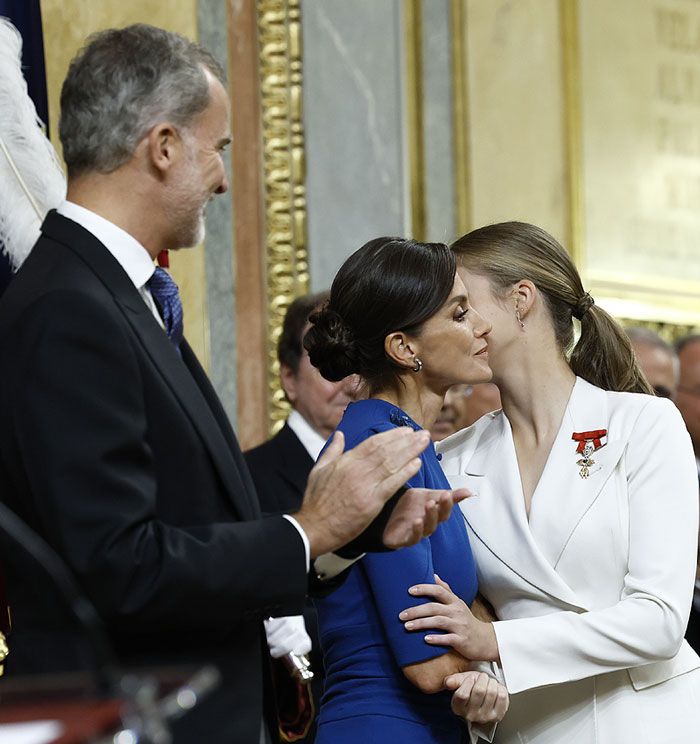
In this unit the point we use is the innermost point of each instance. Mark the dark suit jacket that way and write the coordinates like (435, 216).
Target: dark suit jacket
(115, 448)
(280, 468)
(692, 635)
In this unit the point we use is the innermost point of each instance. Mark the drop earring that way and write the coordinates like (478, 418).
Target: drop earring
(519, 319)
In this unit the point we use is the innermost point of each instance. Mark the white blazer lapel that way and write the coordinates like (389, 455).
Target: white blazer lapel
(483, 459)
(563, 497)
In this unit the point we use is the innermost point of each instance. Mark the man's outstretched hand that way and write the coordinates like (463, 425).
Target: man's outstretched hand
(418, 513)
(346, 492)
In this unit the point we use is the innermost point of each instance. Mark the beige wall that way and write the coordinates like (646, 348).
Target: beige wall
(66, 25)
(516, 120)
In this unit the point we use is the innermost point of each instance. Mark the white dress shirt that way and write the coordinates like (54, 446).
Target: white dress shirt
(313, 442)
(126, 250)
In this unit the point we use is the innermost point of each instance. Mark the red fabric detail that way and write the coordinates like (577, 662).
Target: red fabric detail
(295, 703)
(589, 436)
(163, 260)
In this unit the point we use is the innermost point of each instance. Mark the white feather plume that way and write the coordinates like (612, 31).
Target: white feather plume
(31, 177)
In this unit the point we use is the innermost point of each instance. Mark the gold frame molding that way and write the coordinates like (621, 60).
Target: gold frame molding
(286, 258)
(662, 305)
(460, 117)
(413, 50)
(572, 128)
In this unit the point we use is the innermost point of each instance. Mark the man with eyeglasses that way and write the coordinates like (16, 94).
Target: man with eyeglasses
(688, 402)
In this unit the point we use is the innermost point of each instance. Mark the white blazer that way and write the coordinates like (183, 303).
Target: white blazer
(593, 593)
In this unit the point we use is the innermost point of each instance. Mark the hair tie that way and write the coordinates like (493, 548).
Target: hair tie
(582, 306)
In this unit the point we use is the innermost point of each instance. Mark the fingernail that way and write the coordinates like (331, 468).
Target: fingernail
(402, 615)
(408, 625)
(412, 590)
(429, 638)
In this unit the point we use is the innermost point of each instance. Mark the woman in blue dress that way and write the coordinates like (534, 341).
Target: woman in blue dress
(399, 317)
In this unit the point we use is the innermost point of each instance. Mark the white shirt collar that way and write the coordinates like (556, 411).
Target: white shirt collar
(127, 251)
(313, 442)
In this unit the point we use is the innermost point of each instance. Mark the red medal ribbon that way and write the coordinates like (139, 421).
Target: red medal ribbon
(164, 260)
(589, 436)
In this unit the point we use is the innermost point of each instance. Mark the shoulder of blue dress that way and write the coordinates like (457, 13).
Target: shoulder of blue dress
(399, 418)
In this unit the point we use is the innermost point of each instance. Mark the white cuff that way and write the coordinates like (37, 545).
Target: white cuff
(329, 565)
(481, 731)
(307, 545)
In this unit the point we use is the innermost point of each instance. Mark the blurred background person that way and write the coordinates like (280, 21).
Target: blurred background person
(464, 404)
(688, 401)
(280, 467)
(658, 360)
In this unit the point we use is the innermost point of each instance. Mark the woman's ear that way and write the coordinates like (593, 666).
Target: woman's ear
(400, 350)
(524, 293)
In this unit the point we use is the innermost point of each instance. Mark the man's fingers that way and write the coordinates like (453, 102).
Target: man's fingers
(407, 523)
(459, 494)
(431, 518)
(389, 450)
(387, 485)
(447, 499)
(415, 505)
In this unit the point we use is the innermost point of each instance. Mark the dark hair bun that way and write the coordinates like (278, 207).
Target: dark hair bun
(331, 345)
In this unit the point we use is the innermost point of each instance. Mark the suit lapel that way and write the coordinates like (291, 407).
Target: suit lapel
(295, 463)
(163, 354)
(563, 497)
(496, 515)
(225, 449)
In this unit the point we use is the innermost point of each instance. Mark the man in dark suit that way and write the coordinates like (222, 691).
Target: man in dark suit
(688, 402)
(280, 467)
(113, 444)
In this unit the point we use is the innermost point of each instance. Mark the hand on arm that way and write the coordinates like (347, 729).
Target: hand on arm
(472, 638)
(346, 491)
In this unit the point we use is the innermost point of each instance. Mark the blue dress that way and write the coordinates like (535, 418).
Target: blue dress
(367, 698)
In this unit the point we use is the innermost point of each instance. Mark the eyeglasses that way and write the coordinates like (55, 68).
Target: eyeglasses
(689, 390)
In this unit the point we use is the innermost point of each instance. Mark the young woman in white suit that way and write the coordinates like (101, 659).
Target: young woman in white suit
(585, 523)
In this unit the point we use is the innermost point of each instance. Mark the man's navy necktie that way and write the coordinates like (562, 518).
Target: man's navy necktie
(167, 297)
